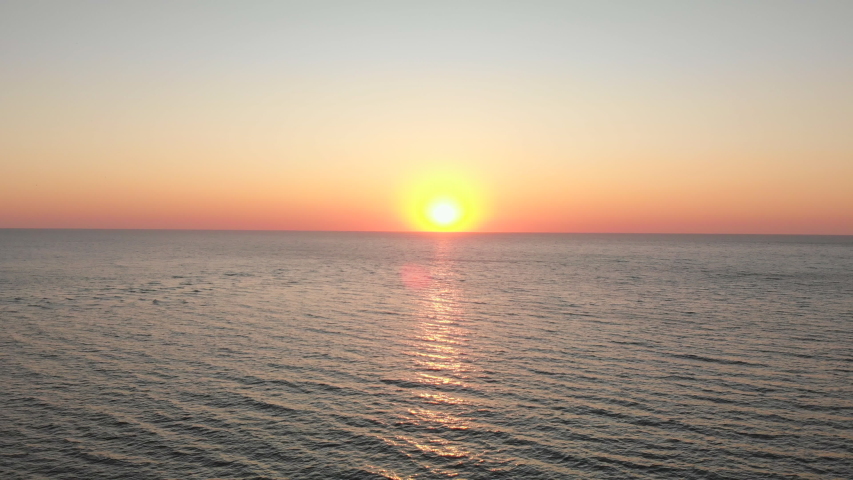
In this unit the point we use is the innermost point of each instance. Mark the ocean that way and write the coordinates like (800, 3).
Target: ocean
(300, 355)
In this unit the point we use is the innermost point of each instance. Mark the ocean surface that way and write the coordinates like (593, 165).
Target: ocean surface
(196, 355)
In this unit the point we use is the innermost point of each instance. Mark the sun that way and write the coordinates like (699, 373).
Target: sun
(443, 200)
(444, 213)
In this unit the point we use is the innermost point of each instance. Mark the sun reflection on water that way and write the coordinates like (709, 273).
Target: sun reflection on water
(441, 362)
(441, 338)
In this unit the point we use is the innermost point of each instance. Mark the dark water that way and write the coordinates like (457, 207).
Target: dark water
(320, 355)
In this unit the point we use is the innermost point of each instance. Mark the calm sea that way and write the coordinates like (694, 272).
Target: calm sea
(195, 355)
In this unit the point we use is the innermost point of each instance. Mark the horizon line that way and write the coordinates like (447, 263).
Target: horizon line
(427, 232)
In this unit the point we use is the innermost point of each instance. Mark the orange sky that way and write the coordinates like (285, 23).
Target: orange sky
(562, 118)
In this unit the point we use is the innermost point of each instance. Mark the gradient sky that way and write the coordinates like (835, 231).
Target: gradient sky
(597, 116)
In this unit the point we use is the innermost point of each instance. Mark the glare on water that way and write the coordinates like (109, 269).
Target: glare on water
(327, 355)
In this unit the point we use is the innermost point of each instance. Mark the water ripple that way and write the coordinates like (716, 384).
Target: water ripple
(199, 355)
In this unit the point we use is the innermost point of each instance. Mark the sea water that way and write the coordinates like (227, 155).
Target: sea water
(195, 355)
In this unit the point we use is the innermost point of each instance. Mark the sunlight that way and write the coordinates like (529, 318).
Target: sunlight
(444, 201)
(444, 212)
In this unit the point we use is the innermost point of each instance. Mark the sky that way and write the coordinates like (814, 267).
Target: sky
(531, 116)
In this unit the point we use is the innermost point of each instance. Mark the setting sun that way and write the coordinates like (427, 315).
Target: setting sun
(444, 212)
(444, 200)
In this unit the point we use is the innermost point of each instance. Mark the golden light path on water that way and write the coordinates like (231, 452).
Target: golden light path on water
(440, 362)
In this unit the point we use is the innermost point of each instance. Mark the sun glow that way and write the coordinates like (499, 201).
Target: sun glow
(444, 212)
(444, 201)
